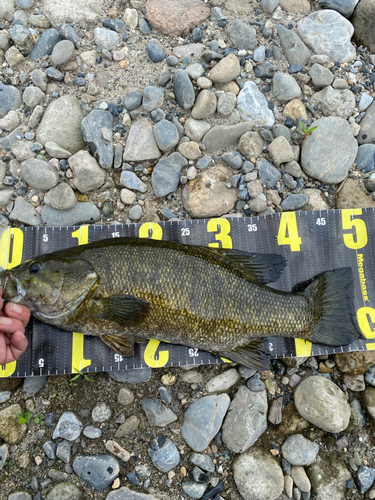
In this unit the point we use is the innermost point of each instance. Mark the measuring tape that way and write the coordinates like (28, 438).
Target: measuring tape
(311, 242)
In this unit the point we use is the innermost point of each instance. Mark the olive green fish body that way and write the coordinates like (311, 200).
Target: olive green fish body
(212, 299)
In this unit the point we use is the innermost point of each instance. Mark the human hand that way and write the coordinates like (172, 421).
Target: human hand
(13, 320)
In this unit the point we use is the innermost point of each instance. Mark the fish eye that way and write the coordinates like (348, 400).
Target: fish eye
(35, 267)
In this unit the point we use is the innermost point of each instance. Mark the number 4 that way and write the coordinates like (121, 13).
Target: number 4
(288, 224)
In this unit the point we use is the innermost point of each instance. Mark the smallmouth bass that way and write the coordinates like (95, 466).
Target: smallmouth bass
(127, 290)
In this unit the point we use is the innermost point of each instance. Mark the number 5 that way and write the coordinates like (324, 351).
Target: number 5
(359, 225)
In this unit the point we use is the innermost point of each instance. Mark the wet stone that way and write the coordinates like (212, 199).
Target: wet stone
(156, 413)
(97, 133)
(255, 384)
(164, 453)
(46, 43)
(98, 471)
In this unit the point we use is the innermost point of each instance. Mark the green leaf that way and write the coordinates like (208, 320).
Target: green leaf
(88, 378)
(19, 415)
(311, 129)
(22, 421)
(75, 377)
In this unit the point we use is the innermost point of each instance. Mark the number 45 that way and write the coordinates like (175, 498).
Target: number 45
(321, 221)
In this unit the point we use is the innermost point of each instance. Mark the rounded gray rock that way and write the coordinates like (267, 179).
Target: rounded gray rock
(10, 98)
(44, 46)
(153, 97)
(62, 52)
(322, 403)
(320, 76)
(285, 87)
(132, 100)
(61, 491)
(106, 38)
(297, 450)
(166, 135)
(226, 103)
(32, 96)
(329, 152)
(164, 454)
(97, 133)
(68, 427)
(39, 174)
(294, 202)
(183, 89)
(87, 173)
(166, 174)
(101, 413)
(135, 213)
(97, 471)
(257, 475)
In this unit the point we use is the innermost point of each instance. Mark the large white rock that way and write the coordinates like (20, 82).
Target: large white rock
(328, 32)
(253, 106)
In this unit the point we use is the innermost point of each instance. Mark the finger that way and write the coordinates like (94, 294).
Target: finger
(19, 344)
(16, 311)
(10, 325)
(1, 299)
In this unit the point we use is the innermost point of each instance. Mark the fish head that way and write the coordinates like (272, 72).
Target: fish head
(51, 289)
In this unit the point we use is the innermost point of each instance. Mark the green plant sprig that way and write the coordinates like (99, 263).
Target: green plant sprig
(79, 374)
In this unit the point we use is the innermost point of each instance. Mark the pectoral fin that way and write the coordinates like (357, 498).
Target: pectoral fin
(253, 355)
(122, 344)
(126, 310)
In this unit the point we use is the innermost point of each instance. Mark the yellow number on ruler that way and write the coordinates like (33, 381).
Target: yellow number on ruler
(78, 360)
(303, 347)
(150, 352)
(288, 223)
(360, 229)
(82, 235)
(222, 225)
(8, 260)
(154, 228)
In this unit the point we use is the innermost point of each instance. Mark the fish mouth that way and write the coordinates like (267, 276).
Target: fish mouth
(13, 289)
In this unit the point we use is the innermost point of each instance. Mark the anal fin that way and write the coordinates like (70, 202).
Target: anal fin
(121, 344)
(252, 355)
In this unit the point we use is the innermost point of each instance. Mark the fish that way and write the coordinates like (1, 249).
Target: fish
(128, 290)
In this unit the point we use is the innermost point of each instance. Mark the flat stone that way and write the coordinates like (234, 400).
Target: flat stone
(253, 106)
(61, 123)
(157, 414)
(39, 174)
(87, 173)
(285, 87)
(92, 432)
(176, 17)
(208, 195)
(45, 45)
(117, 450)
(10, 121)
(166, 174)
(327, 32)
(300, 478)
(183, 89)
(196, 129)
(224, 136)
(194, 489)
(329, 477)
(68, 427)
(189, 50)
(241, 35)
(195, 70)
(296, 6)
(258, 475)
(322, 403)
(141, 144)
(166, 135)
(132, 181)
(97, 471)
(108, 39)
(21, 36)
(344, 7)
(269, 175)
(62, 52)
(7, 9)
(295, 51)
(32, 385)
(205, 105)
(65, 490)
(189, 150)
(101, 413)
(153, 97)
(130, 425)
(251, 145)
(367, 132)
(226, 103)
(363, 22)
(224, 381)
(132, 100)
(4, 451)
(81, 213)
(281, 151)
(22, 150)
(14, 57)
(269, 5)
(294, 202)
(25, 213)
(97, 133)
(202, 461)
(164, 454)
(246, 419)
(19, 495)
(298, 450)
(124, 493)
(10, 99)
(233, 159)
(296, 110)
(203, 419)
(226, 70)
(5, 197)
(10, 430)
(320, 76)
(334, 102)
(67, 32)
(329, 152)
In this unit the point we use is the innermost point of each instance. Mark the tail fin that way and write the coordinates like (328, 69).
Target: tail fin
(334, 316)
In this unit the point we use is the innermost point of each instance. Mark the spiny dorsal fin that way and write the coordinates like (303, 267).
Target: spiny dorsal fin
(260, 268)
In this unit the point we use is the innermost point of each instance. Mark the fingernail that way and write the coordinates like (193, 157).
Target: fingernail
(15, 308)
(5, 321)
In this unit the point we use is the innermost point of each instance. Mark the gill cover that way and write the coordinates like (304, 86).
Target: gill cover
(51, 289)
